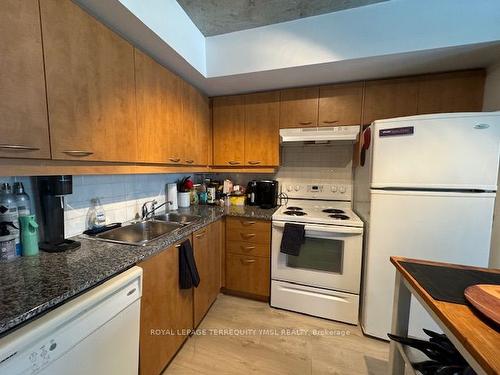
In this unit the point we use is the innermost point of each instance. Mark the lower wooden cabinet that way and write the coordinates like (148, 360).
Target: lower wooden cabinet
(207, 249)
(166, 311)
(248, 248)
(248, 274)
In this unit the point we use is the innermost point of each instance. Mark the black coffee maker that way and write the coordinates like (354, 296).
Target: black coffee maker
(49, 194)
(266, 195)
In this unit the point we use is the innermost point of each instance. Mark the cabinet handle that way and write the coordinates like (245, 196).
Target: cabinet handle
(247, 248)
(190, 161)
(248, 222)
(305, 122)
(253, 162)
(78, 153)
(234, 162)
(247, 235)
(330, 121)
(175, 160)
(247, 261)
(200, 235)
(18, 147)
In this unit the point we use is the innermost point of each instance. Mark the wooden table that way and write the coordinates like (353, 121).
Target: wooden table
(477, 341)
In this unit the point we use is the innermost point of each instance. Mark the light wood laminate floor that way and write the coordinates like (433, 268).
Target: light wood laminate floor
(334, 348)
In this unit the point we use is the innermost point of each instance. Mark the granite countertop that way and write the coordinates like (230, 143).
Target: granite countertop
(30, 286)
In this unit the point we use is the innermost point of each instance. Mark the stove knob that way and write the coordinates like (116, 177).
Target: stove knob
(297, 187)
(289, 188)
(342, 189)
(334, 188)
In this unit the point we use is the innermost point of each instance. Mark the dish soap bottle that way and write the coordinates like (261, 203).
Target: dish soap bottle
(96, 218)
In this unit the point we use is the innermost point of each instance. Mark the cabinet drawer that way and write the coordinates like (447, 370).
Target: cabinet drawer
(254, 231)
(249, 235)
(248, 274)
(248, 248)
(236, 223)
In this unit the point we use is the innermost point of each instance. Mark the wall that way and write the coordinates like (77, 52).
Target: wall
(492, 103)
(121, 196)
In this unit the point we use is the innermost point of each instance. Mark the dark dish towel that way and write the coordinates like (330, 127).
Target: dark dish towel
(188, 273)
(293, 238)
(448, 284)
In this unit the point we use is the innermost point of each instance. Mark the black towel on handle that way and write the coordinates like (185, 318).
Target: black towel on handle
(188, 273)
(294, 235)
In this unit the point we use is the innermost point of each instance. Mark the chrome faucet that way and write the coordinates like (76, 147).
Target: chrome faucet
(145, 212)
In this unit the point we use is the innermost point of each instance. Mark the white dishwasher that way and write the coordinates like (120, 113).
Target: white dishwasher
(96, 333)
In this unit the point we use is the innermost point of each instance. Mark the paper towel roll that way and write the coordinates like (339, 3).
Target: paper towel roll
(172, 196)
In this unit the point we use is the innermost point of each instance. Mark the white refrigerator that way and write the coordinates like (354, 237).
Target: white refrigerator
(425, 189)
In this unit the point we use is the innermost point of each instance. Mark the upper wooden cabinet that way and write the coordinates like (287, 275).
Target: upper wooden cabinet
(246, 130)
(163, 306)
(90, 86)
(155, 93)
(195, 128)
(451, 92)
(299, 107)
(229, 130)
(262, 129)
(390, 98)
(23, 107)
(340, 105)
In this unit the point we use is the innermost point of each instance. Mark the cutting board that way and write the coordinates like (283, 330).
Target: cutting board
(485, 298)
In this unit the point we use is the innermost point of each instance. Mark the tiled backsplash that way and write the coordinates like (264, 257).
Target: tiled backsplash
(121, 196)
(308, 163)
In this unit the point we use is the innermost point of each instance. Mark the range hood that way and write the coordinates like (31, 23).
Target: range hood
(320, 135)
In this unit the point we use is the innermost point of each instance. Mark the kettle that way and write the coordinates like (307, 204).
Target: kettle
(29, 235)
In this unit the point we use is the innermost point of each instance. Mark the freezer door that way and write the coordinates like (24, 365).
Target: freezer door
(450, 151)
(447, 227)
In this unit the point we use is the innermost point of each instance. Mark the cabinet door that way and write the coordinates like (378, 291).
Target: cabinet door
(163, 306)
(299, 107)
(207, 249)
(23, 108)
(451, 92)
(262, 129)
(90, 86)
(177, 135)
(229, 130)
(340, 104)
(248, 274)
(196, 126)
(390, 98)
(155, 101)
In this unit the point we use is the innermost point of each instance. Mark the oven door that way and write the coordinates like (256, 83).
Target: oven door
(329, 258)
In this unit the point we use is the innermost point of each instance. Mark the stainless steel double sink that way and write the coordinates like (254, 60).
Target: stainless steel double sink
(142, 232)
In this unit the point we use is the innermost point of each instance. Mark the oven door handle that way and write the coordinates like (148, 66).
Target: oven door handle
(325, 228)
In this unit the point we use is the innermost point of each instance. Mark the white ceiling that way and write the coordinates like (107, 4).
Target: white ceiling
(397, 37)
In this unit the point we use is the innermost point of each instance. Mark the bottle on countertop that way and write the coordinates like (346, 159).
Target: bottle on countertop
(29, 235)
(7, 241)
(96, 217)
(22, 200)
(9, 213)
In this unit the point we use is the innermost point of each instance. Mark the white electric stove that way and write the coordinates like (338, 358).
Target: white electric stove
(324, 279)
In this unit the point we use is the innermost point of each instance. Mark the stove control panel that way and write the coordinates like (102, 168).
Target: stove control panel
(340, 191)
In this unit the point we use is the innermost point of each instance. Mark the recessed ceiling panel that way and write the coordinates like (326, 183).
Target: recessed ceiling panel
(214, 17)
